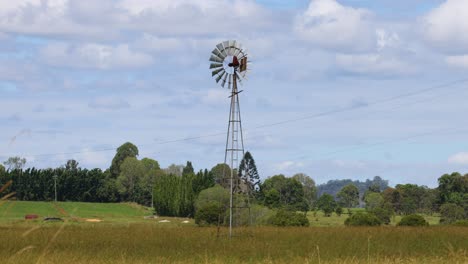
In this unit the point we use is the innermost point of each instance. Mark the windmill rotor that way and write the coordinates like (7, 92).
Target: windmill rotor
(228, 63)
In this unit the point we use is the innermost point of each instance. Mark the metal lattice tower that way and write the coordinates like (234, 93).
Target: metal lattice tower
(229, 64)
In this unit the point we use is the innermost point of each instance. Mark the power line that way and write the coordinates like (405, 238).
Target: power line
(321, 114)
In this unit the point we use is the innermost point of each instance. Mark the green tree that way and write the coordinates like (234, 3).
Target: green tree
(146, 184)
(166, 195)
(308, 184)
(203, 180)
(221, 173)
(452, 188)
(373, 200)
(348, 196)
(15, 163)
(174, 170)
(451, 213)
(289, 193)
(211, 206)
(72, 165)
(248, 172)
(2, 169)
(150, 164)
(188, 169)
(339, 210)
(131, 173)
(327, 204)
(127, 150)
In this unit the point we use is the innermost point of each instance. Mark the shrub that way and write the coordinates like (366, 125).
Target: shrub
(289, 218)
(413, 220)
(339, 210)
(384, 214)
(209, 214)
(461, 223)
(363, 219)
(450, 213)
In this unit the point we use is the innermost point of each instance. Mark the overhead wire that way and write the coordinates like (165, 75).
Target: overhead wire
(312, 116)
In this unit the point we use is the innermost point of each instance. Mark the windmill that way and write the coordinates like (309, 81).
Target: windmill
(229, 66)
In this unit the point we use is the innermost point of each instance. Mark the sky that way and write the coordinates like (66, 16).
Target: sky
(337, 88)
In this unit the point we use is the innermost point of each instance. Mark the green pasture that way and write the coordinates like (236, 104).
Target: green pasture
(318, 219)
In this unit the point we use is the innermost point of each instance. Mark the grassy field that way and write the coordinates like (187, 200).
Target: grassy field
(13, 212)
(125, 236)
(318, 219)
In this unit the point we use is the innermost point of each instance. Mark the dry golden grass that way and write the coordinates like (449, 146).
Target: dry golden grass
(151, 243)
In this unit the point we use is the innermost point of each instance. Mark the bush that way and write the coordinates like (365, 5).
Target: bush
(259, 215)
(363, 219)
(289, 218)
(461, 223)
(450, 213)
(383, 214)
(210, 214)
(413, 220)
(339, 210)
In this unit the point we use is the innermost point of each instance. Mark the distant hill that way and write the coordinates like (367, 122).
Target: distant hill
(334, 186)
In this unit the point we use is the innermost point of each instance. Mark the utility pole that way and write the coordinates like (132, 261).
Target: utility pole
(55, 184)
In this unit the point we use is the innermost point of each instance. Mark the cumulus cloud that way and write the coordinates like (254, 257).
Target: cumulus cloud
(105, 19)
(44, 17)
(96, 56)
(445, 26)
(330, 25)
(459, 158)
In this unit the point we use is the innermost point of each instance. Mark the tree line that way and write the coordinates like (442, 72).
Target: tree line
(175, 191)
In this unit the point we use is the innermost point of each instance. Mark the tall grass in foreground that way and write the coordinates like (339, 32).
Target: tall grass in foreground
(148, 243)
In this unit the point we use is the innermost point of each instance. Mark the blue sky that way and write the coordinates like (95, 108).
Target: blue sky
(360, 88)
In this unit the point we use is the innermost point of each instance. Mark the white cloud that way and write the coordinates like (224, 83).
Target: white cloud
(458, 61)
(375, 63)
(106, 19)
(45, 17)
(97, 56)
(288, 165)
(330, 25)
(445, 27)
(459, 158)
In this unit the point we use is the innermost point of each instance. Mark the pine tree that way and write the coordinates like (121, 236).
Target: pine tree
(248, 172)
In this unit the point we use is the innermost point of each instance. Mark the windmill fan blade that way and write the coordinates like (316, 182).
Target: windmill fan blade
(213, 58)
(237, 52)
(224, 80)
(239, 79)
(232, 46)
(221, 49)
(215, 65)
(218, 54)
(220, 76)
(226, 47)
(215, 72)
(229, 84)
